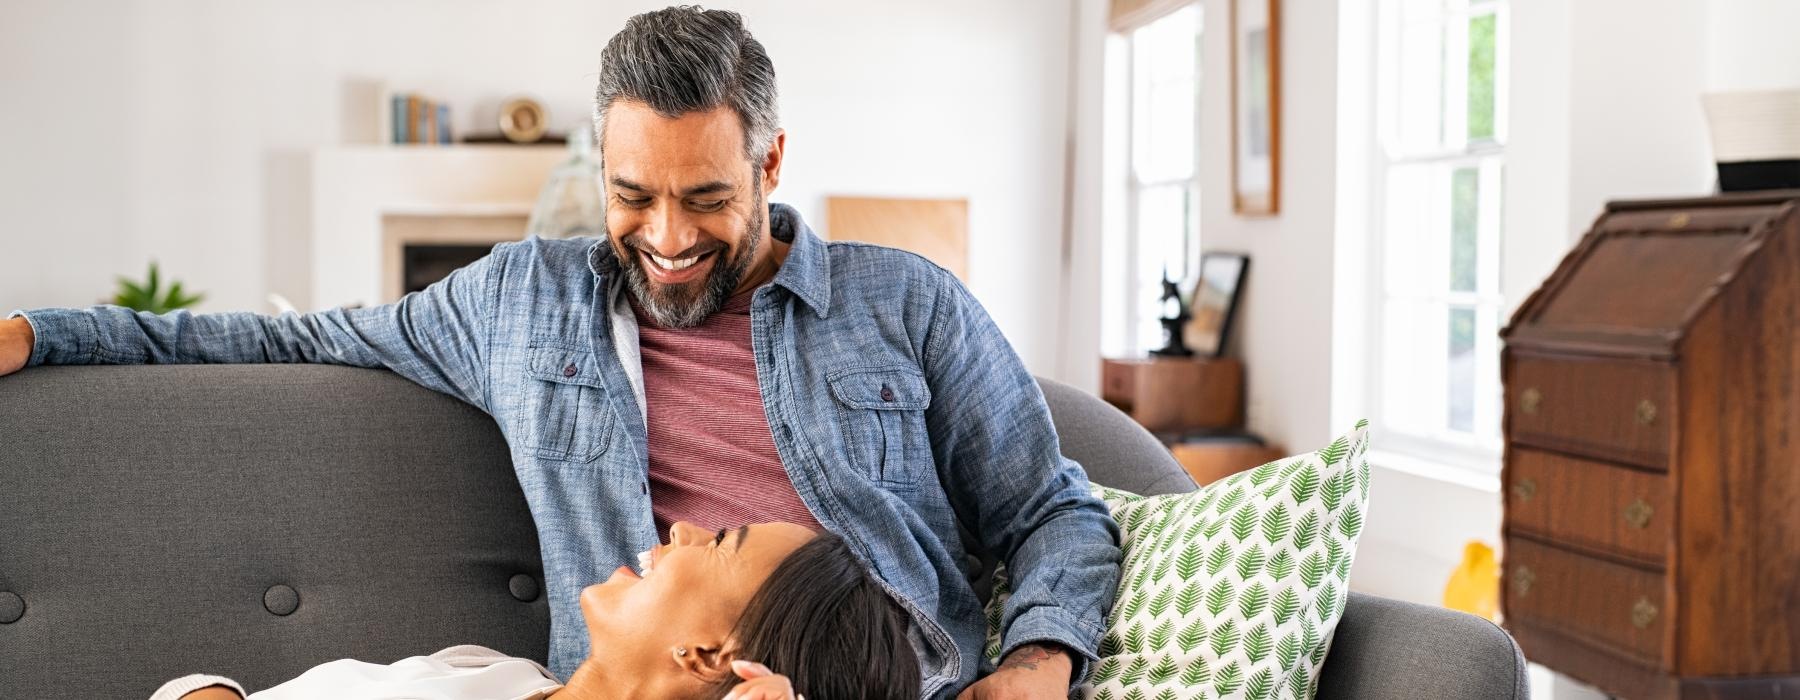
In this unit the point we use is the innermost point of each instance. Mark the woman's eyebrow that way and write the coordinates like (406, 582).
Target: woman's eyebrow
(742, 532)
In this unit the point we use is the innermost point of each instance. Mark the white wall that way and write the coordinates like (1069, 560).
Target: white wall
(177, 129)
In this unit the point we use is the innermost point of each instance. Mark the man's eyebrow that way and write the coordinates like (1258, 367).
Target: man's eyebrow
(742, 532)
(713, 187)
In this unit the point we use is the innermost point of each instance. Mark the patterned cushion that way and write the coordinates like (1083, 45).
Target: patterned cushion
(1234, 590)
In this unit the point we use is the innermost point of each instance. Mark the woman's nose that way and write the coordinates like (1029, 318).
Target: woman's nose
(683, 532)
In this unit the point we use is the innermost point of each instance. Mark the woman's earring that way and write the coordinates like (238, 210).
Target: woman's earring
(681, 651)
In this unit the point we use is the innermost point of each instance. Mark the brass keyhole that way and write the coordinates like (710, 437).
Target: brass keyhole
(1522, 581)
(1646, 412)
(1529, 400)
(1638, 514)
(1525, 489)
(1643, 613)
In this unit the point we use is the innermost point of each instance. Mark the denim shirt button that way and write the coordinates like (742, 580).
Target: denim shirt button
(569, 371)
(886, 393)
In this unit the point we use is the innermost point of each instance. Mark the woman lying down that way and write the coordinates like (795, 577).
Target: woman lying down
(711, 615)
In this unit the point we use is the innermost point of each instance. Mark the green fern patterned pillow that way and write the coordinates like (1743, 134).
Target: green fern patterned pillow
(1234, 590)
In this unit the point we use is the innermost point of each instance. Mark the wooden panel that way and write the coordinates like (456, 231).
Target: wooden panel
(1642, 282)
(1591, 504)
(1604, 409)
(1615, 607)
(1118, 382)
(1208, 462)
(1615, 675)
(935, 228)
(1168, 394)
(1740, 474)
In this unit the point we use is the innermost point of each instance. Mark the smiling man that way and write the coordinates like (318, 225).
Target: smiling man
(712, 360)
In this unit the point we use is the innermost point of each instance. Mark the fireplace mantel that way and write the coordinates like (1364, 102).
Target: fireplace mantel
(370, 201)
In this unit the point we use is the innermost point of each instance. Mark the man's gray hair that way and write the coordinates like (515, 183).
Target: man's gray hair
(686, 59)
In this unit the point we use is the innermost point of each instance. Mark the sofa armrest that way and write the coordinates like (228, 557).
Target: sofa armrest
(1391, 649)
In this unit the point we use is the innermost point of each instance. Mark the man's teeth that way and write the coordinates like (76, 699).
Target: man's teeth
(673, 265)
(644, 563)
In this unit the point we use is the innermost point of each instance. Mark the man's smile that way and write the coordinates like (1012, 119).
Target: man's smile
(676, 270)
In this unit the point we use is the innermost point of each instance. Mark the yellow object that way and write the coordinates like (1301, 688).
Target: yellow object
(1474, 586)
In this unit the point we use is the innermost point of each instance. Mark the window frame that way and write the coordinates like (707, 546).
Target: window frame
(1474, 458)
(1131, 188)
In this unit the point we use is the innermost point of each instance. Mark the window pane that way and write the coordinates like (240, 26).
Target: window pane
(1481, 77)
(1461, 370)
(1162, 225)
(1165, 82)
(1464, 228)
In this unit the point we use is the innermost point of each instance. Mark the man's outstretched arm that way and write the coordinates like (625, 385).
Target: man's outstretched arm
(437, 337)
(999, 459)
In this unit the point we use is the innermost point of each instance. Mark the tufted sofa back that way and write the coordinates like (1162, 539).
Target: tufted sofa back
(251, 521)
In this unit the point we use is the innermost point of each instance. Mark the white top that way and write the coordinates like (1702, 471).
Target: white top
(458, 673)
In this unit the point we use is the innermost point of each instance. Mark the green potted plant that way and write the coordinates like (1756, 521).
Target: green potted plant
(150, 296)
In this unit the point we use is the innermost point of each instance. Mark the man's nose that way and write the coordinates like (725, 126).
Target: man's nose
(670, 234)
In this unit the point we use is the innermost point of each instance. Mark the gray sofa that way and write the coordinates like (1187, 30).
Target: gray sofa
(258, 520)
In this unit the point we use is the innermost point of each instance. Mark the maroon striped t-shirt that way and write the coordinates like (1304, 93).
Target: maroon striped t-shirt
(712, 458)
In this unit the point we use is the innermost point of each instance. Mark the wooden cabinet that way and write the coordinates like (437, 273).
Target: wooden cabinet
(1175, 394)
(1652, 478)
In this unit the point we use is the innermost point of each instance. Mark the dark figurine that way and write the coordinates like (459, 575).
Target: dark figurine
(1173, 346)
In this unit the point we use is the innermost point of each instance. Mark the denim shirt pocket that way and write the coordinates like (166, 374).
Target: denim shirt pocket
(565, 404)
(881, 412)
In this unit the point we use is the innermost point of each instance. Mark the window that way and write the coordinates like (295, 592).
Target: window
(1153, 230)
(1440, 119)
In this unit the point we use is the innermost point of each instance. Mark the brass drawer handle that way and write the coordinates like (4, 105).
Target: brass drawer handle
(1525, 489)
(1529, 399)
(1522, 580)
(1646, 412)
(1643, 613)
(1638, 514)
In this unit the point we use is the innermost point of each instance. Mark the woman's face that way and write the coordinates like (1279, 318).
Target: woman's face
(688, 598)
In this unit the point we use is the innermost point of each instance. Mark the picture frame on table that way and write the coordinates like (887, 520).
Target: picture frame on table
(1213, 305)
(1255, 107)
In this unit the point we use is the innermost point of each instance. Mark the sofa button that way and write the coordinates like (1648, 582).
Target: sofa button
(281, 600)
(12, 607)
(523, 587)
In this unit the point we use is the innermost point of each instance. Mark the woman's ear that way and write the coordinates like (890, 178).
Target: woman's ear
(708, 662)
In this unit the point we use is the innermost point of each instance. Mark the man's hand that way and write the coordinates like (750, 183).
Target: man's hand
(15, 344)
(1031, 672)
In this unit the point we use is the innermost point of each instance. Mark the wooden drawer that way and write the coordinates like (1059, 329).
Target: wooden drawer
(1609, 605)
(1589, 504)
(1617, 410)
(1117, 382)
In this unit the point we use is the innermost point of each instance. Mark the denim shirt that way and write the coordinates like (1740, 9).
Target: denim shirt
(898, 409)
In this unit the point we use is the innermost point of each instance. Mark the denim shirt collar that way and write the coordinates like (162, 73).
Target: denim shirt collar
(806, 272)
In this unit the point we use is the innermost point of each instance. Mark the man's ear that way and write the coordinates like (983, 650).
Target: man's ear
(771, 165)
(709, 662)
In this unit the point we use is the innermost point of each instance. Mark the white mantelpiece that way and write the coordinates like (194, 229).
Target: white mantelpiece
(358, 192)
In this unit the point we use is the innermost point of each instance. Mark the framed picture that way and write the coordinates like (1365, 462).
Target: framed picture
(1255, 107)
(1214, 303)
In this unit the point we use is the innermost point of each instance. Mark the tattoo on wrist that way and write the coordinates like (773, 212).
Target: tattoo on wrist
(1029, 656)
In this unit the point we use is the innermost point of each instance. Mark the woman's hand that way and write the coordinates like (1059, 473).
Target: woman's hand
(760, 683)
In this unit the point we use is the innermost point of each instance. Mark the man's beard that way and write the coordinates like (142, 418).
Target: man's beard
(688, 304)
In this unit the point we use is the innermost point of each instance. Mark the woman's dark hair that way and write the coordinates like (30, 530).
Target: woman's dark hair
(827, 624)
